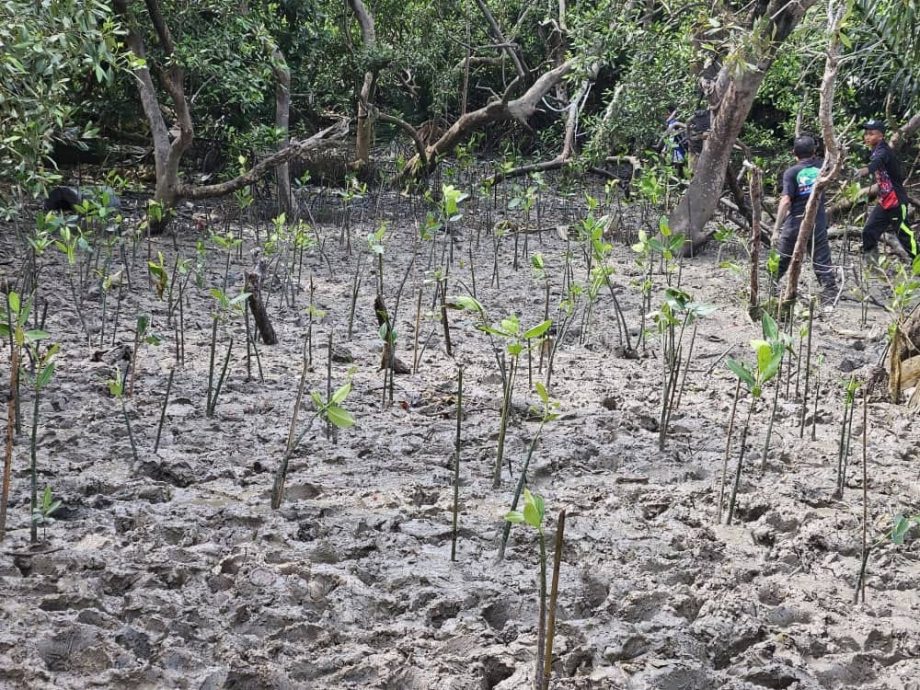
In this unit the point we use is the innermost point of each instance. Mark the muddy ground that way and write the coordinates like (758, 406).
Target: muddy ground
(174, 571)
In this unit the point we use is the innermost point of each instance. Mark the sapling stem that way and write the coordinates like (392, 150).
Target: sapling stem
(861, 580)
(503, 423)
(744, 432)
(453, 539)
(472, 267)
(541, 625)
(310, 325)
(11, 405)
(728, 445)
(156, 444)
(418, 316)
(811, 314)
(444, 322)
(769, 434)
(814, 414)
(207, 408)
(124, 412)
(329, 427)
(553, 598)
(223, 376)
(33, 468)
(355, 287)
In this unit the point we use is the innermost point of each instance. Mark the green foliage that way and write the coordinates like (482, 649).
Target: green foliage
(533, 513)
(48, 50)
(16, 322)
(48, 506)
(769, 354)
(332, 410)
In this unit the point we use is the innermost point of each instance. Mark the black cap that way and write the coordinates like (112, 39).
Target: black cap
(877, 125)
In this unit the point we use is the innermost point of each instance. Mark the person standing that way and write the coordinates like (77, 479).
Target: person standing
(891, 210)
(676, 141)
(798, 182)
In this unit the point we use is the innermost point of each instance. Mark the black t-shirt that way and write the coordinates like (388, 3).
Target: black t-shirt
(884, 165)
(798, 181)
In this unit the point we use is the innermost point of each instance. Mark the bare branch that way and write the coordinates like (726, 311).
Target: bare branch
(297, 148)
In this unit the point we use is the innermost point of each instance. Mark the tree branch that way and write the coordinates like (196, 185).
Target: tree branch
(296, 148)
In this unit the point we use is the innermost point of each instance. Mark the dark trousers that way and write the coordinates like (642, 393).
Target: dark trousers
(817, 246)
(895, 219)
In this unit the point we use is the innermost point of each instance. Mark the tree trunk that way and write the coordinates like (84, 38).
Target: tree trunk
(834, 155)
(365, 128)
(282, 123)
(731, 98)
(170, 145)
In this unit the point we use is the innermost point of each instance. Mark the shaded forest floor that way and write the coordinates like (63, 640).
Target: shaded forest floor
(174, 571)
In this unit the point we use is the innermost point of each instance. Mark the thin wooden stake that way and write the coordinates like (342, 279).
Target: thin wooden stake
(453, 542)
(553, 598)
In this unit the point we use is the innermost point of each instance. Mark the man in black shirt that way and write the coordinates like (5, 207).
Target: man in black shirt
(891, 210)
(798, 182)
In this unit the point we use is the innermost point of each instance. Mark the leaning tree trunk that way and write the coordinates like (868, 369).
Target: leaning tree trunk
(835, 152)
(731, 102)
(168, 146)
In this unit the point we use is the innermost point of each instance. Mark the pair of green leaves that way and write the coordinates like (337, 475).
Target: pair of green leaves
(769, 352)
(332, 411)
(533, 513)
(18, 316)
(451, 198)
(44, 510)
(901, 527)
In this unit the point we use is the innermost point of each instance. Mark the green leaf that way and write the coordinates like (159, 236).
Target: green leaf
(340, 417)
(541, 391)
(511, 325)
(900, 528)
(32, 336)
(770, 329)
(317, 399)
(44, 375)
(533, 509)
(515, 517)
(538, 330)
(341, 393)
(13, 300)
(464, 302)
(741, 371)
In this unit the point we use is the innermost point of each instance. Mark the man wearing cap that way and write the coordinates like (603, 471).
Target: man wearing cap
(798, 182)
(891, 210)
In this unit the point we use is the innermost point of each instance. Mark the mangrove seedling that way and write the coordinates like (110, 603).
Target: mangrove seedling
(548, 412)
(516, 340)
(41, 514)
(117, 389)
(329, 409)
(846, 433)
(13, 322)
(677, 311)
(223, 308)
(532, 515)
(42, 372)
(769, 352)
